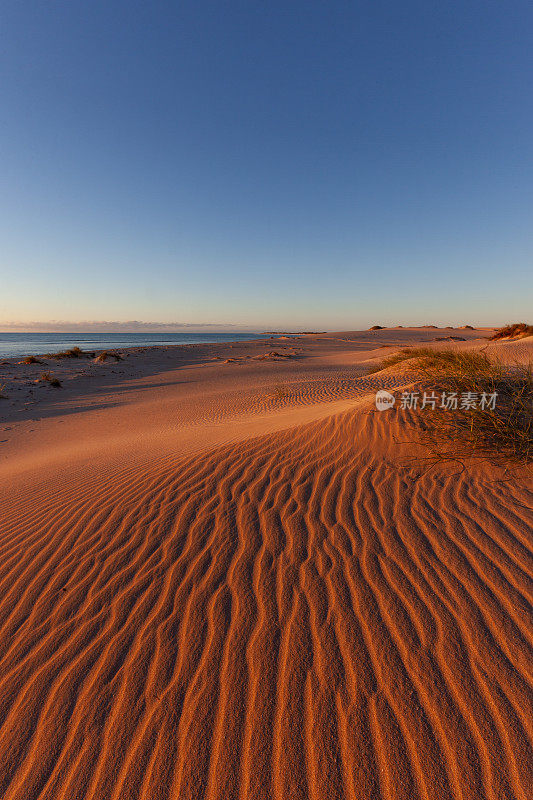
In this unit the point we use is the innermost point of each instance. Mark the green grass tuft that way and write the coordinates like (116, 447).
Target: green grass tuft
(424, 358)
(503, 434)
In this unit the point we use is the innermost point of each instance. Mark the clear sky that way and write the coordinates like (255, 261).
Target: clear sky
(267, 164)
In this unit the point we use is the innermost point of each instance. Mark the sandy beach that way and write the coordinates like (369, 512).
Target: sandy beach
(225, 574)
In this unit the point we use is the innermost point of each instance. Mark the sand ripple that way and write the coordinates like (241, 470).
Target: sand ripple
(292, 617)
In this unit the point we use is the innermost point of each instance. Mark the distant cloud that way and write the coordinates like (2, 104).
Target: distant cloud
(93, 326)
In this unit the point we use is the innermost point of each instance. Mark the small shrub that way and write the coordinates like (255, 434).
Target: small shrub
(47, 377)
(74, 352)
(105, 354)
(510, 331)
(30, 360)
(274, 355)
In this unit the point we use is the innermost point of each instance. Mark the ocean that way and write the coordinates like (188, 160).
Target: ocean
(13, 345)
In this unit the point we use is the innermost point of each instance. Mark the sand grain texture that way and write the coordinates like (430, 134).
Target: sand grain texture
(302, 614)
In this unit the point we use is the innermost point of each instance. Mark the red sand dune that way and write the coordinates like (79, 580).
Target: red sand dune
(303, 614)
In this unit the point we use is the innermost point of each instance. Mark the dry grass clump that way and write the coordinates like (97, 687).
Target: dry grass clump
(510, 331)
(424, 358)
(74, 352)
(274, 355)
(280, 392)
(2, 395)
(30, 360)
(492, 416)
(47, 377)
(105, 354)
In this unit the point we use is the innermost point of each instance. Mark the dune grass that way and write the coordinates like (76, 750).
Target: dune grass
(2, 395)
(74, 352)
(510, 331)
(47, 377)
(31, 360)
(105, 354)
(426, 358)
(502, 433)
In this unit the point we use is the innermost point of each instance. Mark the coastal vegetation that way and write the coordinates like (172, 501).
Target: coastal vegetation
(518, 329)
(491, 412)
(47, 377)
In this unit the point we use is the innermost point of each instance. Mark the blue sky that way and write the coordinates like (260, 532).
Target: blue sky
(267, 164)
